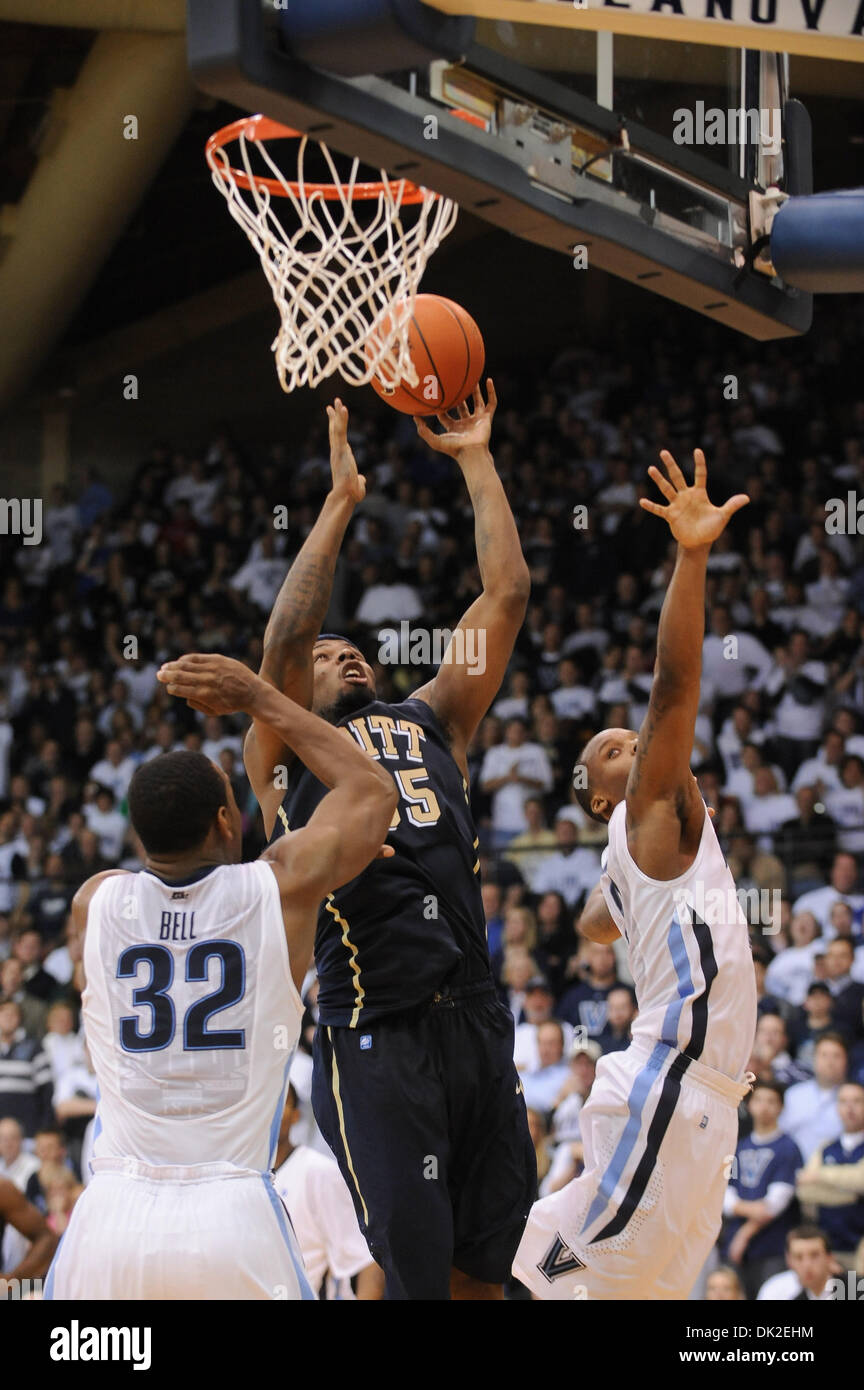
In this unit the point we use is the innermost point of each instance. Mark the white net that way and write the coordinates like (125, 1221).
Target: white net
(346, 275)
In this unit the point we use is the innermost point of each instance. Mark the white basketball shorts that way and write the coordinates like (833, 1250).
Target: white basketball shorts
(211, 1231)
(658, 1131)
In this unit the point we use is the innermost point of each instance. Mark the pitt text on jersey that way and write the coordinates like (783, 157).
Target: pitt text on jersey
(377, 734)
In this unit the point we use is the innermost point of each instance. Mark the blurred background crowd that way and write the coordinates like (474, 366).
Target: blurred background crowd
(190, 556)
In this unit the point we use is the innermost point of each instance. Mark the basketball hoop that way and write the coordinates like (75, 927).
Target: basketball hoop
(344, 286)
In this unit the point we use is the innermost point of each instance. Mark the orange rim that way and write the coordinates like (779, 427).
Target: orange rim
(258, 128)
(469, 117)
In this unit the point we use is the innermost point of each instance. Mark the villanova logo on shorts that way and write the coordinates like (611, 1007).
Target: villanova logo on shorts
(559, 1259)
(365, 1042)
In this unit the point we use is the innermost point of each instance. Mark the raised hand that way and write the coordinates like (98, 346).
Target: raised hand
(211, 684)
(692, 519)
(466, 429)
(347, 482)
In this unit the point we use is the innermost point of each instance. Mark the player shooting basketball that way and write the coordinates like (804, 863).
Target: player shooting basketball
(414, 1084)
(661, 1119)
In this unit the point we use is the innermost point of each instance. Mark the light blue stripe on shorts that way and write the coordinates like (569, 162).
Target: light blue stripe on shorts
(290, 1240)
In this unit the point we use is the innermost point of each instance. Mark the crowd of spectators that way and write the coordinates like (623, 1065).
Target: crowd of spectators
(189, 554)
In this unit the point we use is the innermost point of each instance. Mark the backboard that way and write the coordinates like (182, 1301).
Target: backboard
(629, 153)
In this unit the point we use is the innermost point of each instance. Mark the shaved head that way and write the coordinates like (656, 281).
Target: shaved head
(601, 772)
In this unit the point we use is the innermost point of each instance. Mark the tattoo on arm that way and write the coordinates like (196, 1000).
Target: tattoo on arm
(482, 535)
(300, 608)
(661, 698)
(664, 696)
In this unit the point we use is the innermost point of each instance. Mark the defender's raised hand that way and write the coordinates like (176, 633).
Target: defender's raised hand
(693, 520)
(466, 429)
(347, 482)
(212, 684)
(220, 685)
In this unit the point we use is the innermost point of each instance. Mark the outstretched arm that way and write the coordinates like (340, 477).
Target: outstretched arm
(348, 827)
(665, 811)
(471, 674)
(299, 612)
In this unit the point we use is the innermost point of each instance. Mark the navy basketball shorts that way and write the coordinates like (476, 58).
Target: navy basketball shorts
(425, 1114)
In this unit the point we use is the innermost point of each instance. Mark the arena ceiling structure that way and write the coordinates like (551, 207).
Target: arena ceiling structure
(70, 180)
(102, 226)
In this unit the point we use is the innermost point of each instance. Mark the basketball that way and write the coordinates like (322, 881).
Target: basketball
(448, 353)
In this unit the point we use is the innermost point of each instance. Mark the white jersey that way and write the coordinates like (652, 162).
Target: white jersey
(191, 1017)
(689, 952)
(662, 1117)
(323, 1217)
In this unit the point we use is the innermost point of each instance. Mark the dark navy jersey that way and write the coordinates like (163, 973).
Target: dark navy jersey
(584, 1005)
(844, 1226)
(757, 1166)
(410, 925)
